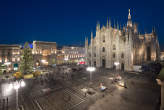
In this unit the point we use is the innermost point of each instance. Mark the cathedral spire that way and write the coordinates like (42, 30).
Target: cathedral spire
(86, 41)
(117, 26)
(91, 35)
(153, 29)
(98, 26)
(129, 16)
(109, 22)
(129, 23)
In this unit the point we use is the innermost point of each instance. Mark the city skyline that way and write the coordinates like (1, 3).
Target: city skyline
(57, 21)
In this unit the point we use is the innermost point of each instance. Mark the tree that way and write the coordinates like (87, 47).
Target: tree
(26, 62)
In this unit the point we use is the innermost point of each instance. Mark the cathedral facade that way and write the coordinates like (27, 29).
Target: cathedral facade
(121, 48)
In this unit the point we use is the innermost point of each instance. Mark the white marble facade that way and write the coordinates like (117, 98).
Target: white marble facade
(126, 46)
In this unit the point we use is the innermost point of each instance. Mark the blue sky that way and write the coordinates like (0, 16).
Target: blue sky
(69, 21)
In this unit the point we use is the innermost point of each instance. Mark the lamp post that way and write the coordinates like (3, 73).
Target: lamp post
(91, 69)
(116, 64)
(16, 86)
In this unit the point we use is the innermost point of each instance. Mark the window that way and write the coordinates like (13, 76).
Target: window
(122, 55)
(114, 47)
(94, 54)
(13, 59)
(8, 53)
(114, 55)
(94, 63)
(103, 49)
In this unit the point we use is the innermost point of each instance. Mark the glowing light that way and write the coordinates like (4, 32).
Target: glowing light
(6, 89)
(10, 87)
(22, 84)
(16, 85)
(66, 58)
(116, 63)
(121, 83)
(91, 69)
(43, 61)
(7, 63)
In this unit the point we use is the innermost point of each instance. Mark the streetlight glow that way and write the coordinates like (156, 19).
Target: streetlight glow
(91, 69)
(43, 61)
(10, 87)
(116, 63)
(22, 84)
(16, 85)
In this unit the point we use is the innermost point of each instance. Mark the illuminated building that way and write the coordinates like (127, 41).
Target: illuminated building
(10, 55)
(60, 57)
(126, 46)
(72, 54)
(44, 53)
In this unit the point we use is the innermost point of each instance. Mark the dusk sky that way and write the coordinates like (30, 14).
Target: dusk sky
(69, 21)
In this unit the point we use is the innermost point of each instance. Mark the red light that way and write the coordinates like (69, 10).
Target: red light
(82, 63)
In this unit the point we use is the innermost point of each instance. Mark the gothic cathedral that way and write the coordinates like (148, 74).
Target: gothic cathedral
(126, 46)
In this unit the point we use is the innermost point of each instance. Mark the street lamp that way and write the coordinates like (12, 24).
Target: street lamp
(116, 64)
(16, 86)
(91, 69)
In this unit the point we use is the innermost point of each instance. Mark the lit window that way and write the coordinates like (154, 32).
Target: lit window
(13, 59)
(6, 60)
(18, 59)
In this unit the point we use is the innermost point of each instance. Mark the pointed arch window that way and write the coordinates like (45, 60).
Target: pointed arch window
(94, 54)
(122, 55)
(103, 49)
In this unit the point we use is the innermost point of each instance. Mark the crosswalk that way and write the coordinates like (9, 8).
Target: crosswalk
(4, 104)
(65, 99)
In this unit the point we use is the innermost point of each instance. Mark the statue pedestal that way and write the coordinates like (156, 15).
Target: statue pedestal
(161, 83)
